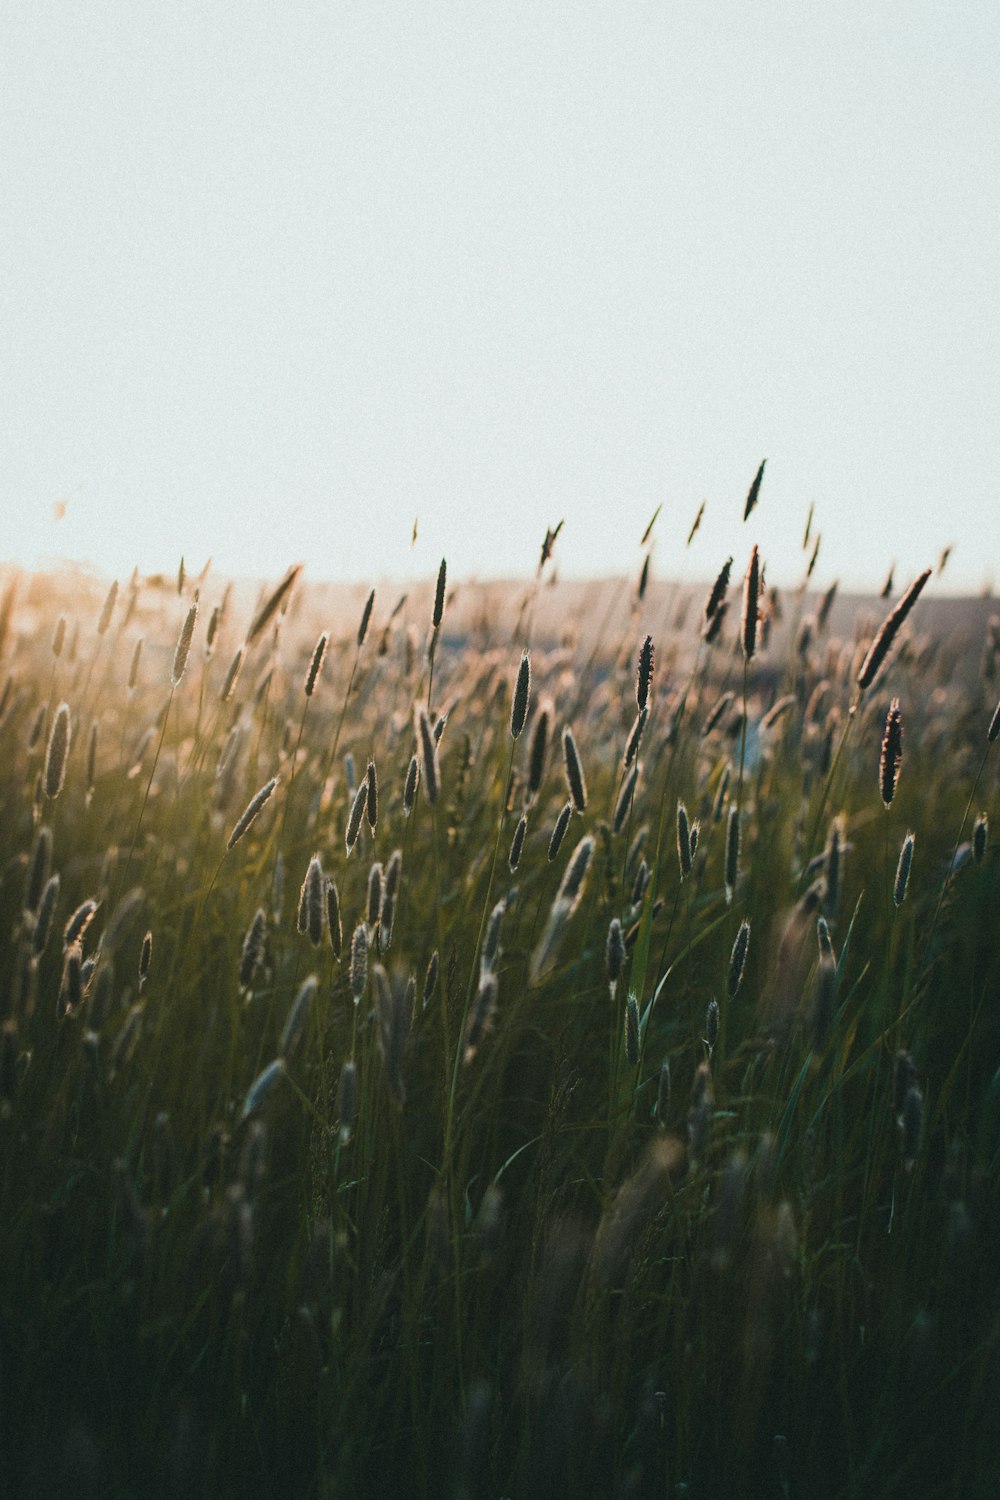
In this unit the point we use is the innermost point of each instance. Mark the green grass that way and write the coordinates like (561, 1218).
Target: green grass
(513, 1277)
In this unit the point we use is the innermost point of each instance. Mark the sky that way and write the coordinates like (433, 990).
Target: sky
(278, 280)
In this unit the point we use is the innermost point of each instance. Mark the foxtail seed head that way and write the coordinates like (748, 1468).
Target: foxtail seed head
(316, 664)
(183, 646)
(253, 949)
(732, 852)
(366, 615)
(559, 831)
(880, 646)
(359, 962)
(718, 591)
(980, 835)
(57, 752)
(644, 675)
(751, 606)
(522, 690)
(517, 843)
(253, 808)
(442, 579)
(539, 746)
(574, 771)
(333, 921)
(371, 801)
(410, 785)
(902, 881)
(892, 752)
(356, 815)
(683, 840)
(312, 903)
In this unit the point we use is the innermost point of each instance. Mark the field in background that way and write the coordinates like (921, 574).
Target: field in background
(478, 1110)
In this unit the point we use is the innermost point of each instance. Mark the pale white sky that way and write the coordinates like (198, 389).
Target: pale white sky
(277, 278)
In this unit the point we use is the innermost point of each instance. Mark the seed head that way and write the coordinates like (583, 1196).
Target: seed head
(574, 771)
(683, 840)
(253, 808)
(980, 834)
(78, 923)
(879, 649)
(312, 903)
(571, 885)
(903, 871)
(751, 605)
(522, 690)
(410, 785)
(371, 801)
(272, 604)
(712, 1025)
(359, 962)
(892, 752)
(713, 719)
(357, 813)
(57, 752)
(754, 493)
(253, 949)
(366, 615)
(374, 904)
(517, 843)
(316, 665)
(491, 942)
(644, 676)
(718, 591)
(710, 634)
(106, 612)
(559, 831)
(439, 595)
(71, 985)
(183, 646)
(732, 852)
(539, 745)
(262, 1087)
(333, 922)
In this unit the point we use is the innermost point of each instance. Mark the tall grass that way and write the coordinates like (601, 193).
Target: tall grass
(548, 1180)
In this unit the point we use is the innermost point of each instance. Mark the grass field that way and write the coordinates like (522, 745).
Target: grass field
(340, 1157)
